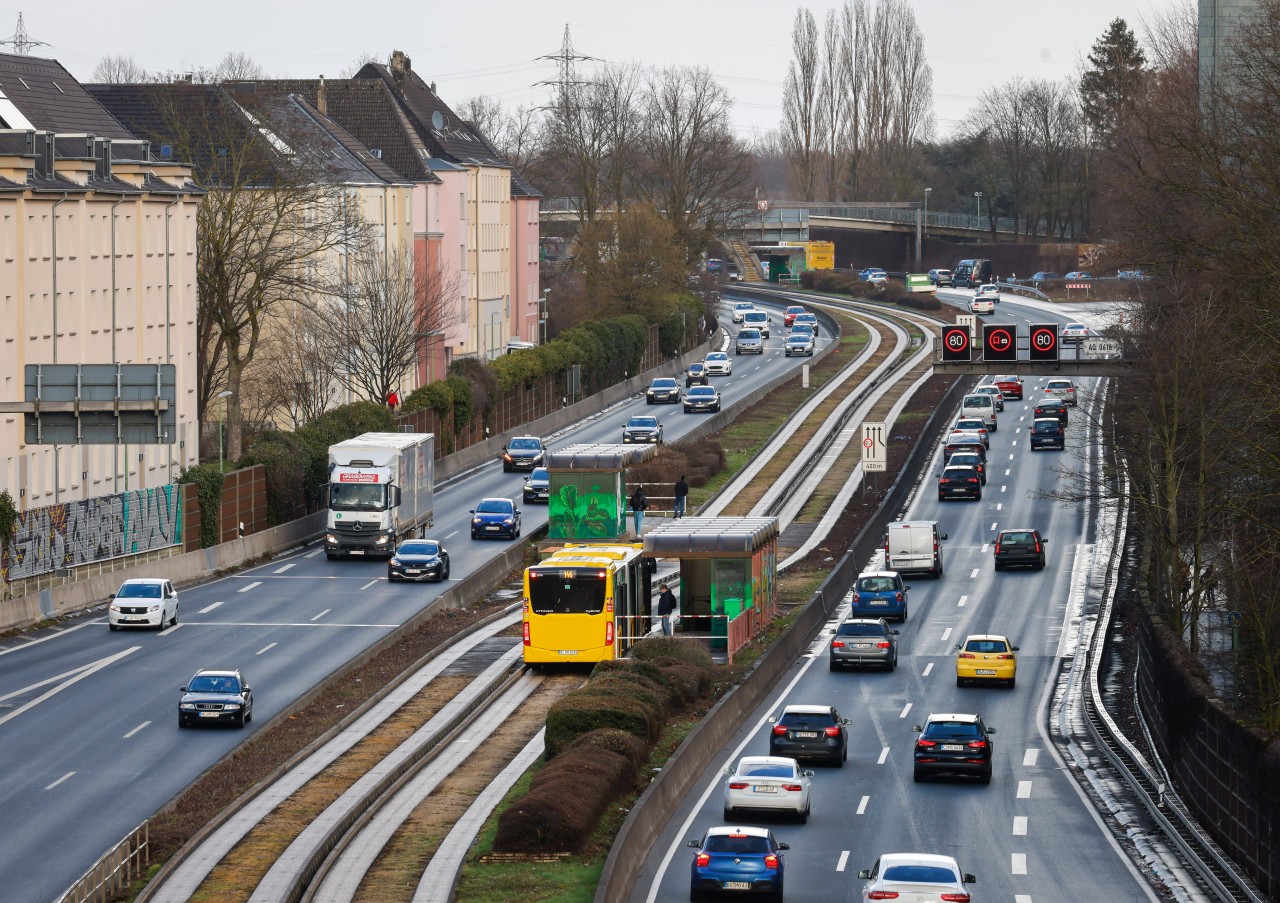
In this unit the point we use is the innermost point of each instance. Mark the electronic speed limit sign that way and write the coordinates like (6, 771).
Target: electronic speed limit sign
(956, 344)
(1043, 344)
(999, 342)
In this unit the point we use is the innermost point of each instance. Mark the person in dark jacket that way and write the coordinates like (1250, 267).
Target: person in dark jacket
(666, 608)
(639, 503)
(681, 493)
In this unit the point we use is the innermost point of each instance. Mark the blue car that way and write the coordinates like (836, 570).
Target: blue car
(495, 518)
(736, 859)
(879, 594)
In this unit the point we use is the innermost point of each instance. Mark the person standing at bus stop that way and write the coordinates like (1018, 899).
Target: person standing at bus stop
(666, 608)
(638, 505)
(681, 493)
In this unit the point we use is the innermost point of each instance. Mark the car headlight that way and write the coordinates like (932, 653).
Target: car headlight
(394, 562)
(382, 540)
(477, 520)
(508, 521)
(152, 608)
(506, 457)
(186, 705)
(231, 707)
(115, 606)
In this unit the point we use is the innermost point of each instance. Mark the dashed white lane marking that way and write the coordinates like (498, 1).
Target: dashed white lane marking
(322, 614)
(999, 506)
(60, 780)
(844, 860)
(884, 754)
(369, 584)
(1010, 457)
(906, 708)
(1019, 863)
(973, 574)
(1008, 470)
(453, 534)
(1019, 826)
(1002, 489)
(983, 550)
(1029, 758)
(946, 634)
(862, 805)
(1024, 790)
(927, 669)
(1012, 444)
(1022, 898)
(209, 608)
(286, 567)
(265, 648)
(313, 554)
(245, 589)
(135, 730)
(993, 525)
(963, 599)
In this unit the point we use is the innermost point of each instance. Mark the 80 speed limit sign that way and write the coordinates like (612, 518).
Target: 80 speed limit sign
(1043, 345)
(956, 344)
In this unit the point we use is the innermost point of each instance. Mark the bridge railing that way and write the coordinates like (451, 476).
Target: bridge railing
(935, 219)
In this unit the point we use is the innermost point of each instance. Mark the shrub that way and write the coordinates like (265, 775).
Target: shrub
(690, 681)
(919, 301)
(543, 823)
(584, 710)
(630, 747)
(654, 697)
(207, 479)
(665, 650)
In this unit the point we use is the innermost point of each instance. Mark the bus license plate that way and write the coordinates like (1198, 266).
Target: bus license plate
(568, 652)
(990, 671)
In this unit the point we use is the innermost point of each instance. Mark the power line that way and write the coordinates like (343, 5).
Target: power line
(20, 42)
(566, 64)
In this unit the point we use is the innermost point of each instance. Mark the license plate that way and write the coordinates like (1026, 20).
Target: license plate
(493, 529)
(357, 552)
(985, 671)
(807, 735)
(861, 645)
(210, 714)
(413, 571)
(761, 788)
(879, 601)
(952, 747)
(737, 885)
(568, 652)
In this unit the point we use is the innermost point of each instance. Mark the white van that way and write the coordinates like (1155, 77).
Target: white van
(914, 546)
(757, 319)
(980, 405)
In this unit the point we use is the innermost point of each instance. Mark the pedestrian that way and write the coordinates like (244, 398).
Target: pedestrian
(666, 607)
(681, 493)
(638, 505)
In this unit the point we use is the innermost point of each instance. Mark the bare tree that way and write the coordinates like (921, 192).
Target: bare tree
(515, 133)
(833, 105)
(800, 117)
(910, 94)
(617, 92)
(119, 70)
(297, 367)
(855, 60)
(237, 66)
(1002, 120)
(362, 59)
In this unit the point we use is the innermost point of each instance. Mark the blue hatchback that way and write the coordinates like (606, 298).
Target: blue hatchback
(741, 859)
(879, 594)
(496, 518)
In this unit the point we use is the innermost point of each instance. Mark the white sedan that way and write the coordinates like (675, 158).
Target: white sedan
(989, 291)
(718, 364)
(1073, 333)
(772, 783)
(921, 877)
(982, 306)
(143, 602)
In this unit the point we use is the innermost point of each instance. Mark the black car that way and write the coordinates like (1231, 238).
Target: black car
(215, 697)
(954, 745)
(1047, 432)
(663, 390)
(970, 459)
(701, 398)
(957, 444)
(1052, 407)
(1019, 547)
(642, 429)
(959, 482)
(696, 375)
(419, 559)
(810, 732)
(523, 453)
(537, 486)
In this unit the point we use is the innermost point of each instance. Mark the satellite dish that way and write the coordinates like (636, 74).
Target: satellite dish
(437, 121)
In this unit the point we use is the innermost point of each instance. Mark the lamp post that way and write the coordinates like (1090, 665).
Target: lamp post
(978, 196)
(542, 318)
(926, 211)
(221, 410)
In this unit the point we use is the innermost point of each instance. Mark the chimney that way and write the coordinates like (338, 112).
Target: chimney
(322, 98)
(433, 87)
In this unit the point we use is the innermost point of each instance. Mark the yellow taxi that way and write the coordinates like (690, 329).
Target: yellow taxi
(986, 657)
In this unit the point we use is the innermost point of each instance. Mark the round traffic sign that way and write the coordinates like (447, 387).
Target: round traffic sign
(1000, 339)
(1043, 339)
(868, 442)
(957, 338)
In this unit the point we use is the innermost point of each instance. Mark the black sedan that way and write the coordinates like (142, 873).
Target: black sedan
(701, 398)
(419, 559)
(642, 429)
(496, 518)
(959, 482)
(810, 732)
(1024, 546)
(663, 390)
(954, 744)
(696, 375)
(215, 697)
(537, 486)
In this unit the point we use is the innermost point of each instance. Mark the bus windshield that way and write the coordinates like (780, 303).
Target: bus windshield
(562, 591)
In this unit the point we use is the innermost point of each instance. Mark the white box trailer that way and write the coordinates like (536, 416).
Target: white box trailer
(381, 490)
(914, 547)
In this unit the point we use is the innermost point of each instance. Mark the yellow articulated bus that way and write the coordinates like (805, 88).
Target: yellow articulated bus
(585, 604)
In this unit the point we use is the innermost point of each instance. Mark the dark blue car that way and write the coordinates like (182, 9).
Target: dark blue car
(496, 518)
(879, 594)
(736, 859)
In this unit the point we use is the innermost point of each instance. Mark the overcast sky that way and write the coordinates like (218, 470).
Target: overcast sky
(492, 46)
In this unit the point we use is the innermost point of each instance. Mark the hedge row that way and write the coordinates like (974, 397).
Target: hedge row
(598, 738)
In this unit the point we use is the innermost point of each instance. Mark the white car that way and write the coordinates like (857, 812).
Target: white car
(990, 290)
(1063, 389)
(143, 602)
(1073, 333)
(718, 364)
(800, 343)
(767, 782)
(982, 306)
(740, 310)
(996, 395)
(919, 877)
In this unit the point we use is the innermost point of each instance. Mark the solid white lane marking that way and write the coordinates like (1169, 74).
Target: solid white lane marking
(78, 675)
(862, 805)
(946, 634)
(453, 534)
(884, 754)
(906, 708)
(209, 608)
(1029, 758)
(245, 589)
(283, 624)
(369, 584)
(286, 567)
(927, 669)
(844, 860)
(322, 614)
(1019, 826)
(1024, 790)
(265, 648)
(60, 780)
(1019, 863)
(135, 730)
(963, 599)
(313, 554)
(973, 573)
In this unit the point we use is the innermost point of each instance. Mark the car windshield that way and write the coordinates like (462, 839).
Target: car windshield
(802, 329)
(807, 318)
(664, 383)
(212, 684)
(876, 584)
(749, 334)
(951, 730)
(798, 339)
(695, 368)
(735, 843)
(766, 770)
(418, 548)
(139, 591)
(357, 496)
(494, 506)
(701, 392)
(717, 356)
(526, 444)
(539, 473)
(919, 874)
(986, 646)
(860, 630)
(643, 422)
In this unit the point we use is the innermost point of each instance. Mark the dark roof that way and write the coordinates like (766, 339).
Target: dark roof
(49, 98)
(598, 457)
(520, 186)
(710, 537)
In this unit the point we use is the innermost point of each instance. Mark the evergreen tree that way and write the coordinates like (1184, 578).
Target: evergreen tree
(1116, 64)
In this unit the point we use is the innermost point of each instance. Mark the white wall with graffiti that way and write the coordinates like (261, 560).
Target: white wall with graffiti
(75, 533)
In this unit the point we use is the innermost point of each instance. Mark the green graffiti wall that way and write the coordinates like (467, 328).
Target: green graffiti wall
(586, 506)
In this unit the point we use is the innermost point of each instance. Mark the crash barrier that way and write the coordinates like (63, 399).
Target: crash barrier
(118, 868)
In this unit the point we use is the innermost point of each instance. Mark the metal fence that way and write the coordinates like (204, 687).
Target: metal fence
(118, 868)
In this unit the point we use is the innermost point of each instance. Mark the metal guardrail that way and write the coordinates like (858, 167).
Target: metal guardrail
(118, 868)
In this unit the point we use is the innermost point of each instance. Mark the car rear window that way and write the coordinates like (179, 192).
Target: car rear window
(986, 646)
(803, 720)
(859, 630)
(977, 401)
(1017, 539)
(1042, 428)
(919, 874)
(730, 843)
(767, 770)
(951, 730)
(877, 584)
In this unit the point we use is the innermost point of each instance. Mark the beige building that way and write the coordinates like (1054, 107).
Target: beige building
(97, 265)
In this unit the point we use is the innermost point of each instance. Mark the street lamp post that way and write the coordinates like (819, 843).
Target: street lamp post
(926, 211)
(221, 410)
(542, 321)
(978, 196)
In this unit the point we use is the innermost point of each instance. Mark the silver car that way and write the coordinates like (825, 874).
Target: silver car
(1062, 389)
(864, 641)
(749, 342)
(997, 397)
(772, 783)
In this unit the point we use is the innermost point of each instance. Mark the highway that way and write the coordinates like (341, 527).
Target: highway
(1029, 836)
(88, 717)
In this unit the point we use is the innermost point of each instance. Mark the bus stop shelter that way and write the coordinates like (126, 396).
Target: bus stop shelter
(587, 500)
(728, 575)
